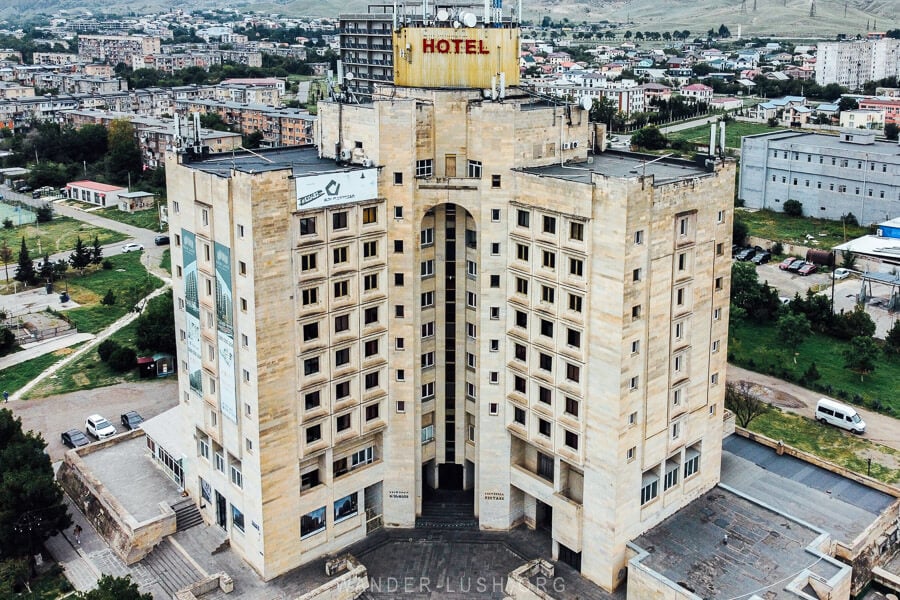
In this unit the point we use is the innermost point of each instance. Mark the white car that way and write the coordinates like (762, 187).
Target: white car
(99, 427)
(132, 248)
(841, 273)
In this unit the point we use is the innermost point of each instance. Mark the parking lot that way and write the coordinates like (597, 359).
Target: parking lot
(55, 414)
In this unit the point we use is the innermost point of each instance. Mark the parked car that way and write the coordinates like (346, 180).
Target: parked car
(807, 269)
(761, 258)
(840, 273)
(74, 438)
(796, 265)
(132, 247)
(746, 254)
(161, 240)
(131, 420)
(783, 265)
(99, 427)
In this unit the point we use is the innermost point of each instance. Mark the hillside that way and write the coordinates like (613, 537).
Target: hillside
(783, 18)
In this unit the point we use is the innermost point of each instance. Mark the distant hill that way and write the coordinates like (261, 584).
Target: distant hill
(784, 18)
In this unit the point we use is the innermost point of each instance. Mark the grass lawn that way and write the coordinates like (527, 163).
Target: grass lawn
(734, 131)
(48, 586)
(88, 372)
(777, 226)
(830, 443)
(755, 346)
(145, 219)
(129, 282)
(15, 377)
(166, 262)
(56, 236)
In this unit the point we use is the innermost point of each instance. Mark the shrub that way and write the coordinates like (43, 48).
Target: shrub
(107, 265)
(106, 348)
(777, 248)
(109, 299)
(7, 223)
(44, 214)
(850, 219)
(793, 208)
(122, 359)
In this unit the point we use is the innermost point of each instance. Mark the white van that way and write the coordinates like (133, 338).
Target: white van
(839, 415)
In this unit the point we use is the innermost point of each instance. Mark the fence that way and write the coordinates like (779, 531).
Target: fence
(27, 333)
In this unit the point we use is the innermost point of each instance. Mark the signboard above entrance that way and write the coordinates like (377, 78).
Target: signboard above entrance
(445, 57)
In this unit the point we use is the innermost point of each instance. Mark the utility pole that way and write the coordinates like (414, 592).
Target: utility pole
(812, 8)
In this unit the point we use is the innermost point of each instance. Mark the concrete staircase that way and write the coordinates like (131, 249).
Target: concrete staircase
(187, 514)
(170, 569)
(447, 509)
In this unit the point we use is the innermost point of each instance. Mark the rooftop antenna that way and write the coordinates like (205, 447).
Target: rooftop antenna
(812, 8)
(502, 85)
(487, 12)
(743, 7)
(197, 129)
(394, 16)
(519, 11)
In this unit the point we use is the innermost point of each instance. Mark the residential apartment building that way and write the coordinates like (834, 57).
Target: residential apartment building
(889, 107)
(829, 175)
(115, 49)
(851, 64)
(449, 292)
(279, 126)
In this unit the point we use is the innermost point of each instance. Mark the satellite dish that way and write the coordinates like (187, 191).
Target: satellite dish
(586, 102)
(443, 15)
(469, 19)
(457, 24)
(348, 77)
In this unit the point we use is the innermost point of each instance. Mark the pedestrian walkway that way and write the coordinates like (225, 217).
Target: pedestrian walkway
(41, 348)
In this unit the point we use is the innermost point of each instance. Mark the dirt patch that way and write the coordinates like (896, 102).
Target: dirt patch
(774, 397)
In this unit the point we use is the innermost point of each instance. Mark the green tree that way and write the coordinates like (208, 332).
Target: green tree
(109, 299)
(81, 256)
(156, 325)
(743, 403)
(724, 32)
(6, 254)
(59, 269)
(847, 103)
(602, 111)
(114, 588)
(31, 502)
(891, 131)
(14, 575)
(860, 355)
(739, 232)
(793, 208)
(792, 329)
(848, 260)
(7, 341)
(892, 340)
(856, 323)
(253, 140)
(44, 213)
(124, 156)
(649, 137)
(26, 273)
(96, 252)
(122, 359)
(46, 272)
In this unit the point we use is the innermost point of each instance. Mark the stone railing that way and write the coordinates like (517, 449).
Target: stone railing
(216, 581)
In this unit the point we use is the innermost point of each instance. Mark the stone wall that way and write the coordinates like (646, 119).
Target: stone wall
(129, 539)
(348, 586)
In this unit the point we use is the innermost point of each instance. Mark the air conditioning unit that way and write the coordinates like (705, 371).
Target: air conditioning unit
(566, 145)
(879, 232)
(368, 162)
(574, 144)
(346, 154)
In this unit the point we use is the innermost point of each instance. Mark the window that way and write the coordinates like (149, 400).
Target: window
(546, 465)
(401, 406)
(523, 218)
(474, 169)
(720, 216)
(715, 346)
(575, 303)
(676, 430)
(205, 217)
(639, 237)
(495, 281)
(372, 380)
(339, 220)
(495, 181)
(636, 312)
(720, 249)
(340, 255)
(427, 360)
(544, 427)
(370, 215)
(308, 226)
(470, 390)
(313, 434)
(341, 323)
(342, 423)
(682, 261)
(649, 487)
(547, 294)
(573, 338)
(341, 289)
(237, 518)
(427, 299)
(342, 390)
(204, 448)
(633, 383)
(398, 180)
(521, 286)
(427, 329)
(714, 379)
(398, 279)
(522, 252)
(342, 357)
(308, 262)
(520, 352)
(495, 312)
(692, 462)
(399, 311)
(427, 434)
(571, 440)
(311, 366)
(679, 363)
(427, 236)
(546, 328)
(576, 267)
(495, 248)
(635, 346)
(471, 268)
(424, 168)
(549, 259)
(370, 249)
(549, 224)
(310, 296)
(309, 480)
(237, 478)
(571, 406)
(495, 215)
(519, 415)
(471, 330)
(521, 319)
(629, 454)
(370, 348)
(495, 345)
(576, 231)
(545, 361)
(312, 400)
(679, 330)
(427, 268)
(428, 390)
(371, 412)
(310, 331)
(242, 267)
(519, 384)
(573, 372)
(671, 479)
(370, 282)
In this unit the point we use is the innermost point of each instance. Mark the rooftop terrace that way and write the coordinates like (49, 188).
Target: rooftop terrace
(624, 165)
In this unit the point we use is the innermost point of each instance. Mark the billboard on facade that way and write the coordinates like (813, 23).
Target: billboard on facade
(317, 191)
(192, 310)
(225, 331)
(468, 57)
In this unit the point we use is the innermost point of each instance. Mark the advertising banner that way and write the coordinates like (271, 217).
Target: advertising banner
(317, 191)
(192, 310)
(225, 332)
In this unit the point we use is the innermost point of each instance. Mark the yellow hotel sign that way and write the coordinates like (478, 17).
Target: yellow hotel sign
(455, 58)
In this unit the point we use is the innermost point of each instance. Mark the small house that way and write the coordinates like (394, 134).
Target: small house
(132, 202)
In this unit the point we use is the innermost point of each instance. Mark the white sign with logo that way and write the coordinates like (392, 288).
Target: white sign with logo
(317, 191)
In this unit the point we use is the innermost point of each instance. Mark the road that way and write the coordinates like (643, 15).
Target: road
(880, 429)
